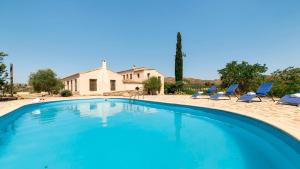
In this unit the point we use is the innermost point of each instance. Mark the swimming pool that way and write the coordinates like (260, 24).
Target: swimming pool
(121, 134)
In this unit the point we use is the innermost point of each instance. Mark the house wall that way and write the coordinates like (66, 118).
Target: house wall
(132, 86)
(154, 73)
(134, 75)
(70, 83)
(103, 77)
(143, 75)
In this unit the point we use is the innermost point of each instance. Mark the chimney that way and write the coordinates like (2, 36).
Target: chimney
(103, 64)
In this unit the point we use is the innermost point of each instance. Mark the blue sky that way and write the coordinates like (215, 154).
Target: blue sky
(71, 36)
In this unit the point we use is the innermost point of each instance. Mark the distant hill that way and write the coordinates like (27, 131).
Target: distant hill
(194, 81)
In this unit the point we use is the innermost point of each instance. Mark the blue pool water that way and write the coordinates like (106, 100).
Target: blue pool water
(119, 134)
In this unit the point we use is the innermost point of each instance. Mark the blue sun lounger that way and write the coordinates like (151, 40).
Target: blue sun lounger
(262, 91)
(230, 91)
(289, 99)
(208, 92)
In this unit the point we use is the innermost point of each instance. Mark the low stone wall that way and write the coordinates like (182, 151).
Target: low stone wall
(126, 93)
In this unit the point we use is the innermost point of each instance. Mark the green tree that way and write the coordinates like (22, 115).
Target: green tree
(248, 76)
(286, 81)
(3, 71)
(178, 59)
(45, 80)
(58, 87)
(152, 85)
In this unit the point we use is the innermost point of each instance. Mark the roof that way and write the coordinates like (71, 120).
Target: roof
(136, 69)
(131, 82)
(76, 74)
(132, 69)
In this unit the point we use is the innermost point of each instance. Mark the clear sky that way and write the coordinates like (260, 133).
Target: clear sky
(72, 36)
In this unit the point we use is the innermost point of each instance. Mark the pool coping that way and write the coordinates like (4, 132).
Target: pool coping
(237, 113)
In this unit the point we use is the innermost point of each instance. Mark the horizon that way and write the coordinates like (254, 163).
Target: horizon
(71, 37)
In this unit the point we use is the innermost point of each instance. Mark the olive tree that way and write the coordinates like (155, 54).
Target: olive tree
(285, 81)
(152, 85)
(45, 80)
(248, 76)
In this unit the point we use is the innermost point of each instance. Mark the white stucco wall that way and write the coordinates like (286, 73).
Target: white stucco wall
(132, 86)
(143, 75)
(72, 84)
(154, 73)
(103, 77)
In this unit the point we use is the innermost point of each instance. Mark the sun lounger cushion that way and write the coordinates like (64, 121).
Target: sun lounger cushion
(288, 99)
(230, 91)
(251, 93)
(209, 91)
(195, 95)
(247, 97)
(295, 95)
(216, 96)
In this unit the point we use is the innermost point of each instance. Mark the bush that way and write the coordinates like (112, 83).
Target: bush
(181, 88)
(170, 88)
(285, 81)
(188, 91)
(179, 84)
(152, 85)
(66, 93)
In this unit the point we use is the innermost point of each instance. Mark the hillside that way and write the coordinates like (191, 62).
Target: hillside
(193, 80)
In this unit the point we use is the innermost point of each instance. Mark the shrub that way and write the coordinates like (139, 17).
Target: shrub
(170, 88)
(66, 93)
(179, 84)
(188, 91)
(285, 81)
(152, 85)
(181, 88)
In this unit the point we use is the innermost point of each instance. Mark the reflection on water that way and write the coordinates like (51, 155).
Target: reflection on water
(101, 109)
(36, 112)
(177, 124)
(105, 110)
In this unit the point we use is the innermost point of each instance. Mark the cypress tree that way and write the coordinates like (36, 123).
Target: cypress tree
(178, 60)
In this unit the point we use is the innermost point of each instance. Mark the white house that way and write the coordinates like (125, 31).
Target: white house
(102, 80)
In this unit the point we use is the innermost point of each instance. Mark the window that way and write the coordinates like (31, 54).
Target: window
(148, 75)
(127, 76)
(93, 84)
(68, 85)
(75, 85)
(112, 85)
(130, 76)
(123, 77)
(138, 75)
